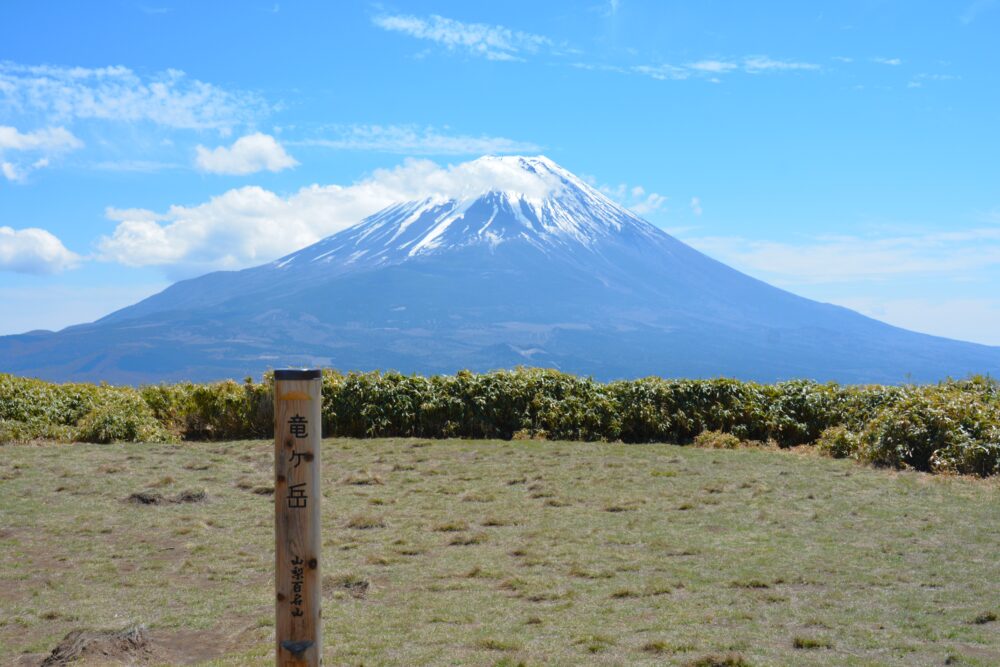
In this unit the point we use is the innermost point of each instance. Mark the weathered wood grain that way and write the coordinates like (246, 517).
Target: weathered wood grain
(297, 492)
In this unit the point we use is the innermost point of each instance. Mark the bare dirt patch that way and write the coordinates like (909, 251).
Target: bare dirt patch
(156, 498)
(82, 646)
(135, 645)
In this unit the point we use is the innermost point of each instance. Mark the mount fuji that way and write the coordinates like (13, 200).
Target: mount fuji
(526, 265)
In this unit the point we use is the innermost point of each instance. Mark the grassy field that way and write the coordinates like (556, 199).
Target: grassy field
(506, 553)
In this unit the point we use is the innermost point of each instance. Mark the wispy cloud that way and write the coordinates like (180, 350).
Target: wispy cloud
(135, 166)
(17, 172)
(696, 206)
(973, 10)
(973, 319)
(248, 155)
(635, 197)
(919, 80)
(169, 98)
(834, 259)
(493, 42)
(601, 67)
(845, 269)
(894, 62)
(663, 72)
(34, 250)
(757, 64)
(47, 139)
(713, 68)
(34, 149)
(414, 140)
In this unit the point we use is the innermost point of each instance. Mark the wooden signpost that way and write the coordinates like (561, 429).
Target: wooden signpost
(297, 429)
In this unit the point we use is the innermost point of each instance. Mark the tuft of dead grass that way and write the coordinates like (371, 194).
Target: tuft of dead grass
(468, 540)
(801, 642)
(719, 660)
(362, 478)
(365, 522)
(453, 526)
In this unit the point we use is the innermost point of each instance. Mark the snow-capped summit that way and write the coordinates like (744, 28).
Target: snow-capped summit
(503, 261)
(498, 200)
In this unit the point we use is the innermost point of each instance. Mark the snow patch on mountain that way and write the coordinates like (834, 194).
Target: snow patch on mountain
(497, 200)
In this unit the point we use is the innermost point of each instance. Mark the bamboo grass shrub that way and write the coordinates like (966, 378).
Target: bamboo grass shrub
(953, 426)
(949, 428)
(121, 415)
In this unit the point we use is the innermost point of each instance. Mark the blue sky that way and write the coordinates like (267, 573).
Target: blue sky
(846, 151)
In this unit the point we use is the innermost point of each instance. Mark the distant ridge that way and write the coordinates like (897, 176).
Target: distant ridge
(535, 269)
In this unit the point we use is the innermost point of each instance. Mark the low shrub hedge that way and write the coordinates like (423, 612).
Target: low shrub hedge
(953, 426)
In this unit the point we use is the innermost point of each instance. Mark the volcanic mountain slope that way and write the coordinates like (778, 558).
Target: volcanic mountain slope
(531, 266)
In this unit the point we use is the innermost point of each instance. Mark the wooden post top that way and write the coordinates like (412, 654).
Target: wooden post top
(298, 374)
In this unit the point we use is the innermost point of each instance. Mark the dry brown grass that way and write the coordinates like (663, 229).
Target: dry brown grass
(500, 554)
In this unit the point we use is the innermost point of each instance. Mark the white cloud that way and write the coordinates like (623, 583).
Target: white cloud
(714, 66)
(411, 140)
(33, 250)
(663, 72)
(169, 98)
(756, 64)
(651, 202)
(850, 258)
(10, 172)
(710, 69)
(888, 61)
(250, 225)
(47, 139)
(634, 198)
(600, 67)
(249, 154)
(696, 206)
(40, 146)
(493, 42)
